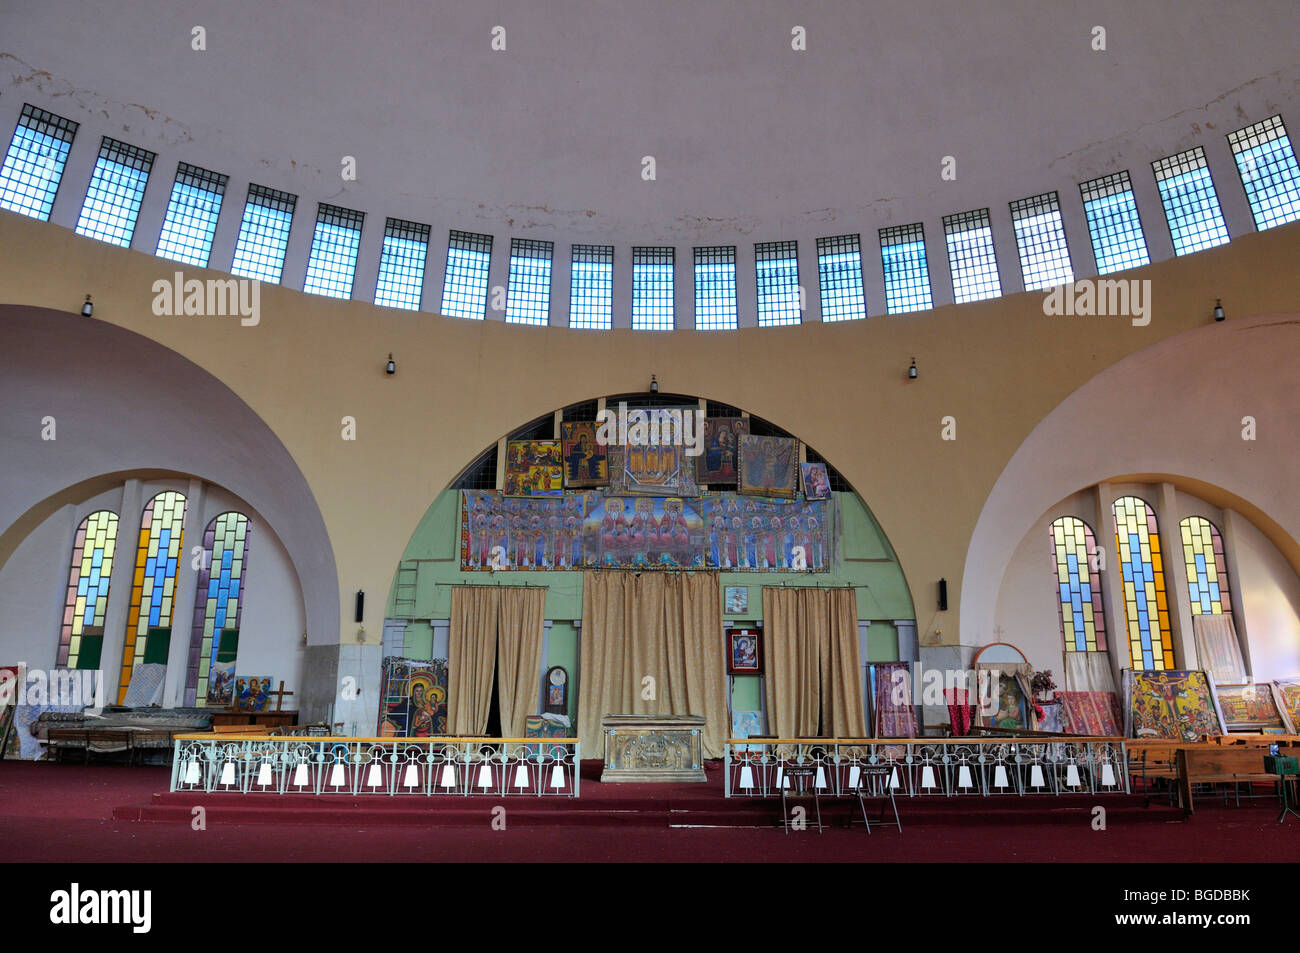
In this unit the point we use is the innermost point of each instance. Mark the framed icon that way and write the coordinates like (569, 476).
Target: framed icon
(744, 652)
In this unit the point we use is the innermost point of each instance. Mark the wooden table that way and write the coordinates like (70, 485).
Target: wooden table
(272, 719)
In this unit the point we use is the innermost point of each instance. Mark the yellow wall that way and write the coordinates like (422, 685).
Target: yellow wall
(997, 366)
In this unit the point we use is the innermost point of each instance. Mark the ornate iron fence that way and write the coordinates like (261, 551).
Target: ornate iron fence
(947, 767)
(433, 767)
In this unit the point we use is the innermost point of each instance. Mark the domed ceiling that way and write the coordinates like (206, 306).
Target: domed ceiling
(752, 140)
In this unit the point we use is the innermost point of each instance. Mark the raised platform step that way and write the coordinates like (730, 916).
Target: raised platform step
(662, 806)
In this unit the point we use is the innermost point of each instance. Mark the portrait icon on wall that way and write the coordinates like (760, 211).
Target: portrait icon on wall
(737, 599)
(744, 652)
(252, 693)
(769, 466)
(717, 464)
(586, 460)
(534, 468)
(816, 484)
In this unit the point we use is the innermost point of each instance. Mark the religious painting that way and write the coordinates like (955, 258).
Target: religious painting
(642, 532)
(655, 460)
(534, 468)
(586, 460)
(557, 690)
(1012, 700)
(221, 684)
(1178, 705)
(892, 711)
(500, 532)
(737, 599)
(252, 693)
(1249, 708)
(744, 652)
(717, 464)
(1095, 714)
(1288, 694)
(412, 698)
(751, 535)
(769, 466)
(747, 724)
(816, 482)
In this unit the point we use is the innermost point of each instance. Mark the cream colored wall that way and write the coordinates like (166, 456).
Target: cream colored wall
(999, 367)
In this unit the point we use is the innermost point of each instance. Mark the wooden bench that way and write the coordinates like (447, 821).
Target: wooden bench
(242, 729)
(1219, 764)
(1153, 760)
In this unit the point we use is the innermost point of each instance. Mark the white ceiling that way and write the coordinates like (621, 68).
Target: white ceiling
(753, 141)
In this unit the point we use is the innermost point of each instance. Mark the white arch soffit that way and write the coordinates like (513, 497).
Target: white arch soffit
(1173, 408)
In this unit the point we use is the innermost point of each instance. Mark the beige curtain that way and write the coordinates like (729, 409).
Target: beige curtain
(471, 658)
(814, 670)
(519, 645)
(1088, 672)
(1218, 649)
(662, 626)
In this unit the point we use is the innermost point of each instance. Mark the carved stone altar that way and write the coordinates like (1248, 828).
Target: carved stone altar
(653, 748)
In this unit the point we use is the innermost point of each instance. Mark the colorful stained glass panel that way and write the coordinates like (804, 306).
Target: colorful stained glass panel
(1146, 605)
(1207, 569)
(218, 599)
(154, 585)
(87, 598)
(1074, 555)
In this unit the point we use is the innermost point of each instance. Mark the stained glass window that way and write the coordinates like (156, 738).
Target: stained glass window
(1137, 541)
(218, 601)
(82, 633)
(1074, 560)
(153, 588)
(33, 166)
(1207, 569)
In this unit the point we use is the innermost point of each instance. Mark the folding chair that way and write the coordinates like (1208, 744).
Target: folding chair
(882, 773)
(798, 781)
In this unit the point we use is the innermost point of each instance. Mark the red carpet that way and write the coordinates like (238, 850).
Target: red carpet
(115, 813)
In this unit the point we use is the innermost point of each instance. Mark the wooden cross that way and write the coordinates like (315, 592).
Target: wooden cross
(279, 700)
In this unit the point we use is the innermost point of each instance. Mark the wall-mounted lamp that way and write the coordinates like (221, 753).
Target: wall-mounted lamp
(88, 308)
(1218, 310)
(391, 366)
(911, 371)
(361, 606)
(654, 385)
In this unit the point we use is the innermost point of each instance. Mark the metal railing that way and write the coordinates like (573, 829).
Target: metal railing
(941, 767)
(433, 767)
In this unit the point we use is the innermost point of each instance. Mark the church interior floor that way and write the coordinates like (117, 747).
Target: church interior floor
(75, 813)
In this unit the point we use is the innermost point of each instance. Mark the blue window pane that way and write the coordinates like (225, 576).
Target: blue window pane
(116, 192)
(465, 285)
(264, 234)
(1269, 172)
(334, 246)
(1040, 239)
(528, 299)
(1191, 204)
(971, 256)
(401, 264)
(839, 271)
(1113, 223)
(907, 272)
(776, 266)
(591, 287)
(652, 288)
(33, 166)
(715, 288)
(192, 214)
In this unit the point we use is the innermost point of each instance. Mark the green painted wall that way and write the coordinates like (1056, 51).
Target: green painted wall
(431, 567)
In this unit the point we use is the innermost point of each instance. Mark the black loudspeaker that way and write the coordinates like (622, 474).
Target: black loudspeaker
(943, 595)
(361, 605)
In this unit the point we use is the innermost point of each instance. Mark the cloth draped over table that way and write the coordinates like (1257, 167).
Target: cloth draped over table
(491, 624)
(1089, 672)
(893, 716)
(1218, 648)
(665, 626)
(813, 666)
(1091, 713)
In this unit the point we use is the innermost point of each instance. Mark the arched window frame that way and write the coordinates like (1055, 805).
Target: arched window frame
(218, 597)
(1146, 603)
(1079, 603)
(1209, 590)
(153, 588)
(86, 603)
